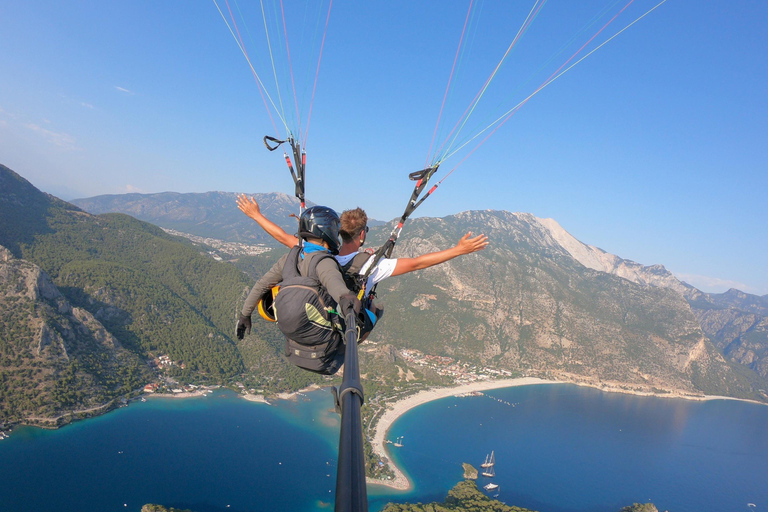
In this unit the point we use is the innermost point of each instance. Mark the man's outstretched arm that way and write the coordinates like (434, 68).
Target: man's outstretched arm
(250, 207)
(466, 245)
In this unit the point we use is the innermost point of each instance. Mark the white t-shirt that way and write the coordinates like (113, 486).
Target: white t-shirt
(382, 271)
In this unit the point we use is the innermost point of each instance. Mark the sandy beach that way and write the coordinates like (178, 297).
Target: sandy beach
(183, 394)
(399, 408)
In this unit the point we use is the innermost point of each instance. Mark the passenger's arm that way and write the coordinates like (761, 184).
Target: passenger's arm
(267, 281)
(465, 246)
(250, 207)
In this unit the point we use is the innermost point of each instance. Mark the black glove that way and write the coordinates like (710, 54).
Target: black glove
(349, 303)
(243, 326)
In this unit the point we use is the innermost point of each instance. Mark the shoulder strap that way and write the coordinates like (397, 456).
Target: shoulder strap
(314, 261)
(351, 270)
(291, 267)
(354, 265)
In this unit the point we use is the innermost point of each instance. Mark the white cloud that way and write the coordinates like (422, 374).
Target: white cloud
(130, 189)
(123, 89)
(62, 140)
(86, 105)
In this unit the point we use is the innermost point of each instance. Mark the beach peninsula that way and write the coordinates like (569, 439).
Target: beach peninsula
(397, 409)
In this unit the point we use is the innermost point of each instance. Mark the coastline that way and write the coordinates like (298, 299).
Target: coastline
(400, 407)
(397, 409)
(183, 394)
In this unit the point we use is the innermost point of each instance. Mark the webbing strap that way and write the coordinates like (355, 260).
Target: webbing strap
(277, 142)
(421, 178)
(307, 354)
(299, 159)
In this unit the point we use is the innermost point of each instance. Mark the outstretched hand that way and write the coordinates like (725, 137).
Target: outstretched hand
(468, 245)
(248, 206)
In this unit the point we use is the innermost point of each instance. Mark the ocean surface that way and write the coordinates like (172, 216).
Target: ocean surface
(558, 448)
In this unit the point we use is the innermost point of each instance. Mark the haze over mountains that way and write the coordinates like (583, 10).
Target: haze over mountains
(536, 302)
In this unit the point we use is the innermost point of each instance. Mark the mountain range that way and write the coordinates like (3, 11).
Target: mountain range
(734, 321)
(210, 215)
(87, 299)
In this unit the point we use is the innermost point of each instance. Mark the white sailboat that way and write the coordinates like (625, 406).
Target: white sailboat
(487, 466)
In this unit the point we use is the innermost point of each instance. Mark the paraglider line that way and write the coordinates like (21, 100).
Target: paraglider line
(262, 90)
(317, 73)
(450, 79)
(473, 104)
(290, 68)
(274, 71)
(506, 116)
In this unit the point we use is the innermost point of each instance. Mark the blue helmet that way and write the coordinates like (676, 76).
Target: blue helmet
(323, 223)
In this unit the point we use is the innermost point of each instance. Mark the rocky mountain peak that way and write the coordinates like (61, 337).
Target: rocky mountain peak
(597, 259)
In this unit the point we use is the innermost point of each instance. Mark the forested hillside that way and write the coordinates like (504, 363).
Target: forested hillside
(154, 292)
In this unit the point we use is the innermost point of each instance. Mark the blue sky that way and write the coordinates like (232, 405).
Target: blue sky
(652, 148)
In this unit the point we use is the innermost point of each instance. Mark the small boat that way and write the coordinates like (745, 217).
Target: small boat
(490, 487)
(399, 442)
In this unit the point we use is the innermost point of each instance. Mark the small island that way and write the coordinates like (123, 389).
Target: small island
(470, 472)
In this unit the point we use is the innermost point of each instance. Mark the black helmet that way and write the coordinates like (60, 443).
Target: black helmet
(323, 223)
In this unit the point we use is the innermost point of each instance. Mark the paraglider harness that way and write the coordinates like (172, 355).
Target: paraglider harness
(306, 315)
(351, 270)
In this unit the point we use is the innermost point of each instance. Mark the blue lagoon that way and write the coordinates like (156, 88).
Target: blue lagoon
(558, 448)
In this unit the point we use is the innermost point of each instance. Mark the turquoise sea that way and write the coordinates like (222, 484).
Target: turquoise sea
(558, 448)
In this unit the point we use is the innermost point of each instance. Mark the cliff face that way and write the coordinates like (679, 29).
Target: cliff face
(738, 328)
(55, 358)
(734, 321)
(597, 259)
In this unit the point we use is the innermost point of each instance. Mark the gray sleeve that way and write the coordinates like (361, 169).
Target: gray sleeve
(267, 281)
(330, 277)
